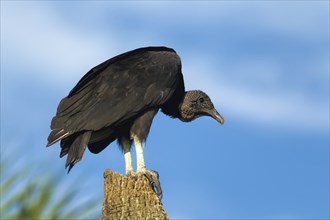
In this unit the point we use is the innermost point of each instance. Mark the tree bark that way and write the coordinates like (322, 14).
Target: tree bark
(130, 198)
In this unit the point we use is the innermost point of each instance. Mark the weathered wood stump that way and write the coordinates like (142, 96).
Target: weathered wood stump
(130, 198)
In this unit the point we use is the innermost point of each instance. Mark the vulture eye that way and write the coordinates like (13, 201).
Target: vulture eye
(201, 100)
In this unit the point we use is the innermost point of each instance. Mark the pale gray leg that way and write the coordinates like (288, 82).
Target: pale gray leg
(141, 167)
(152, 175)
(127, 155)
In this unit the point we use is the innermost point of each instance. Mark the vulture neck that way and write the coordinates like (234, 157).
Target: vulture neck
(177, 108)
(186, 113)
(172, 107)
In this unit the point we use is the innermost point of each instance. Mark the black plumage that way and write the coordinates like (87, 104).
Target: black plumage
(119, 98)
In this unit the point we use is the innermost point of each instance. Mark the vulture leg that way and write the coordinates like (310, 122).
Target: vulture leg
(141, 167)
(138, 133)
(152, 175)
(126, 143)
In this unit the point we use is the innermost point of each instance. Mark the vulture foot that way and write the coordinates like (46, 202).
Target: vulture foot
(153, 178)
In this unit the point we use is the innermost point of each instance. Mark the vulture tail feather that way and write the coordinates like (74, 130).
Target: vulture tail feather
(77, 149)
(67, 142)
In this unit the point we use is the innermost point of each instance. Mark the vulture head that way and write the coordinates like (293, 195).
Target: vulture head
(195, 104)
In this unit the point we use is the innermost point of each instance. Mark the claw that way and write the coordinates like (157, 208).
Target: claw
(153, 178)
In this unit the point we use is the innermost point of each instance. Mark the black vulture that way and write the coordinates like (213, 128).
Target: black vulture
(118, 99)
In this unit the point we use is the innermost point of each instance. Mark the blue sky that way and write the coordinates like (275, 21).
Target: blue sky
(265, 65)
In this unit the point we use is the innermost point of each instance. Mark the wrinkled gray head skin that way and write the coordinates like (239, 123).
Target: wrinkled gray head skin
(195, 104)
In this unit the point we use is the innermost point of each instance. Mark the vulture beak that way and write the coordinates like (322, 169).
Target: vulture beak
(214, 114)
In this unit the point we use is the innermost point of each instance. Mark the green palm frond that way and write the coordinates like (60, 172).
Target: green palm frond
(27, 196)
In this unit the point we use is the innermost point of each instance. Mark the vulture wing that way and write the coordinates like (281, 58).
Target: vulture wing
(117, 90)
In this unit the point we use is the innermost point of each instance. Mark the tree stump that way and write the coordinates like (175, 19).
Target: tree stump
(130, 198)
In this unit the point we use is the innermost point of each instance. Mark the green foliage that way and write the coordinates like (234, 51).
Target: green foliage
(25, 195)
